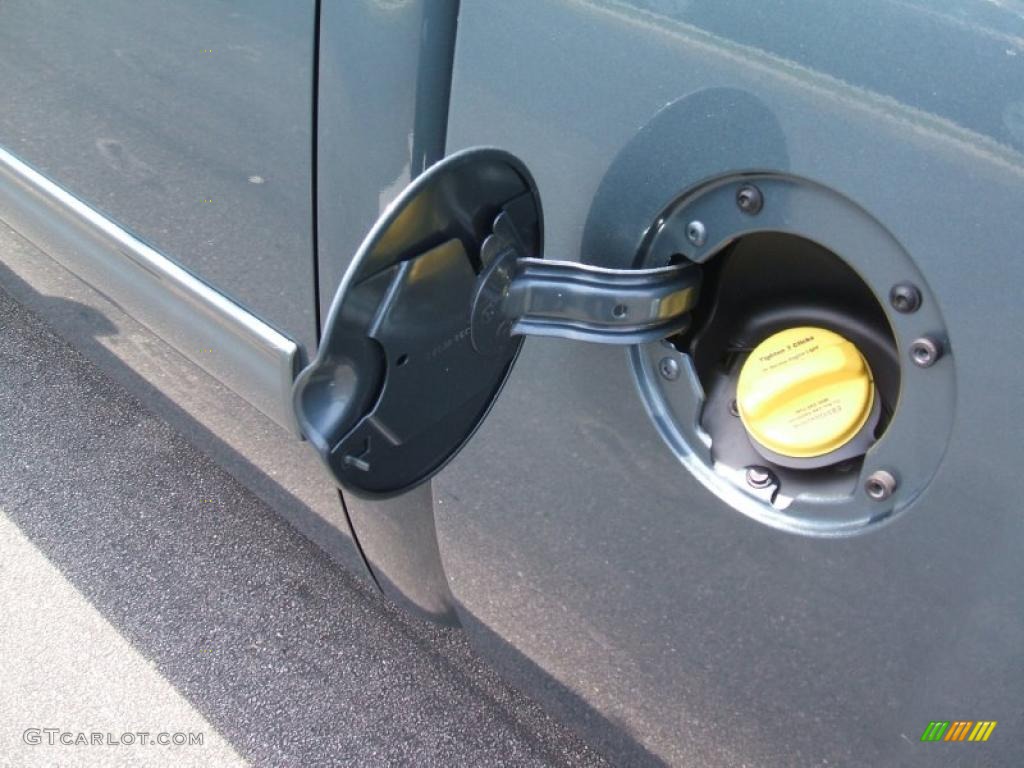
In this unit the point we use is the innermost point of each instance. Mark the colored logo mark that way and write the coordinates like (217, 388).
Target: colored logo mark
(958, 730)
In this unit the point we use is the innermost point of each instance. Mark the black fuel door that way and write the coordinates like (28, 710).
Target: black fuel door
(430, 316)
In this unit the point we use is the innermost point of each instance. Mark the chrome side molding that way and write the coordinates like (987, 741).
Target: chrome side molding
(227, 341)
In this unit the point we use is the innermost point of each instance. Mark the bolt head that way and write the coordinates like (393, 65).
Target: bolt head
(760, 477)
(669, 368)
(880, 485)
(925, 352)
(696, 233)
(905, 298)
(749, 199)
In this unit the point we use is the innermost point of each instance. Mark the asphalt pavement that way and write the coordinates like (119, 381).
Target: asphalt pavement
(145, 591)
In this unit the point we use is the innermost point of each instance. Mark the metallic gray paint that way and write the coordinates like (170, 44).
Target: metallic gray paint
(221, 337)
(584, 557)
(145, 109)
(385, 70)
(140, 111)
(279, 469)
(383, 107)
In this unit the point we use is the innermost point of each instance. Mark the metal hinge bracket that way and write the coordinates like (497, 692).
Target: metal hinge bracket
(520, 295)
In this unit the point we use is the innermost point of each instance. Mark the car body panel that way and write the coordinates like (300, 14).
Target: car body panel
(584, 559)
(120, 120)
(234, 345)
(385, 71)
(189, 124)
(568, 539)
(262, 455)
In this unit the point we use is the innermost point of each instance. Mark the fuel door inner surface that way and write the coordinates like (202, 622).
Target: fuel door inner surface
(433, 309)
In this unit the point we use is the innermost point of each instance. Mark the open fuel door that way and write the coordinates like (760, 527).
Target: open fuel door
(430, 315)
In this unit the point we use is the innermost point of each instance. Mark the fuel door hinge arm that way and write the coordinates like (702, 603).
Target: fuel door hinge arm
(518, 294)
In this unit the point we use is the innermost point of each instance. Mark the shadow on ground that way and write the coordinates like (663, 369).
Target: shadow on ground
(289, 657)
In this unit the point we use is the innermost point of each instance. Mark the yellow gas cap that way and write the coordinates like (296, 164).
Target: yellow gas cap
(805, 392)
